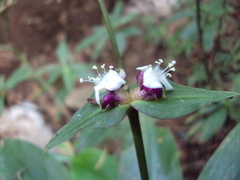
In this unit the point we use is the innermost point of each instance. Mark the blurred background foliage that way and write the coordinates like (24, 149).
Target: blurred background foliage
(46, 47)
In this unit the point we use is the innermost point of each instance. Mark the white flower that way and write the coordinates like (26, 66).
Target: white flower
(111, 80)
(155, 77)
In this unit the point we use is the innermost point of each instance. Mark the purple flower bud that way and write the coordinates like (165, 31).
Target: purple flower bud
(108, 101)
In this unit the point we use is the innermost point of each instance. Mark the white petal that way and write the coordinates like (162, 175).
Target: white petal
(143, 68)
(97, 91)
(113, 81)
(165, 82)
(150, 79)
(122, 73)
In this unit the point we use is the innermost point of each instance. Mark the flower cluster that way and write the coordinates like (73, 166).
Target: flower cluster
(111, 81)
(152, 82)
(152, 79)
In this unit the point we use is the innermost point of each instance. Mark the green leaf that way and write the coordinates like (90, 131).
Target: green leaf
(98, 47)
(2, 98)
(121, 41)
(209, 35)
(2, 82)
(19, 75)
(82, 70)
(213, 124)
(1, 162)
(161, 154)
(23, 160)
(124, 20)
(91, 116)
(186, 13)
(129, 165)
(225, 162)
(52, 70)
(98, 137)
(199, 74)
(93, 164)
(68, 77)
(181, 101)
(189, 31)
(2, 94)
(131, 31)
(121, 36)
(62, 52)
(236, 81)
(86, 42)
(194, 128)
(117, 11)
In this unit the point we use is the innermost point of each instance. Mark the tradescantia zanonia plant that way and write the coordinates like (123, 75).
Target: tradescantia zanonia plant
(155, 96)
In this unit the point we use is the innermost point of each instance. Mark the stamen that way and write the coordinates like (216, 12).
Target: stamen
(90, 79)
(161, 61)
(171, 64)
(172, 69)
(94, 67)
(167, 69)
(103, 67)
(97, 79)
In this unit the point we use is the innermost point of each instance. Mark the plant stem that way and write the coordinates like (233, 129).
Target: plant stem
(199, 24)
(217, 41)
(138, 141)
(110, 33)
(200, 38)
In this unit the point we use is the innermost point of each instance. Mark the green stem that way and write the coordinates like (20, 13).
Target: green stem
(200, 37)
(138, 141)
(199, 24)
(110, 33)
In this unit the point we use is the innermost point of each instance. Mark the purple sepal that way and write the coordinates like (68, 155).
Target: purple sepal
(139, 77)
(108, 101)
(151, 93)
(157, 93)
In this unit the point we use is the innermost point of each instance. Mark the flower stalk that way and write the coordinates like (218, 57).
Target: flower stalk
(138, 141)
(110, 33)
(200, 37)
(132, 114)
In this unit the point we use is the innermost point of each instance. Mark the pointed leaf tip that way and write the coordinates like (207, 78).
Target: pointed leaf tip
(90, 116)
(181, 101)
